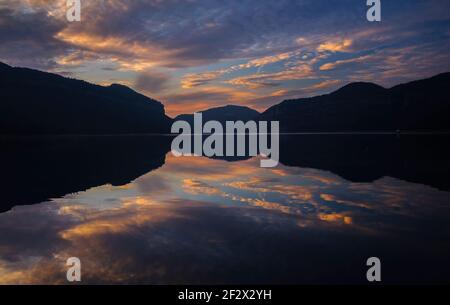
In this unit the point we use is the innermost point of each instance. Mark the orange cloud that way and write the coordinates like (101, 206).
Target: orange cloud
(196, 187)
(333, 65)
(335, 46)
(134, 56)
(197, 100)
(213, 169)
(335, 217)
(194, 80)
(324, 84)
(198, 79)
(266, 60)
(256, 81)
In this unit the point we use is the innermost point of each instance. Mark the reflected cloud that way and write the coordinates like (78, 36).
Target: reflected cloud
(336, 217)
(195, 187)
(164, 226)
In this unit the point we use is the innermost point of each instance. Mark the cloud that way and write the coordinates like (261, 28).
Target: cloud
(333, 65)
(263, 50)
(27, 39)
(266, 60)
(155, 32)
(335, 46)
(196, 187)
(195, 80)
(152, 82)
(259, 80)
(204, 98)
(200, 79)
(277, 96)
(335, 217)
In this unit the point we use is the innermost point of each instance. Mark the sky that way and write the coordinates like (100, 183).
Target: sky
(196, 54)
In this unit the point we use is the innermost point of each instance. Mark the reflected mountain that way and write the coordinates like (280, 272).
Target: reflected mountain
(421, 159)
(35, 169)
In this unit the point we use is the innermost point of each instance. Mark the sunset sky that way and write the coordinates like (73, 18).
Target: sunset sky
(192, 55)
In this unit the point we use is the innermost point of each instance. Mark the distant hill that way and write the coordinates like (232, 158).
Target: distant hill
(223, 114)
(34, 102)
(420, 105)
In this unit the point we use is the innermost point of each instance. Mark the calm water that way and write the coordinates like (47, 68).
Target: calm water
(133, 213)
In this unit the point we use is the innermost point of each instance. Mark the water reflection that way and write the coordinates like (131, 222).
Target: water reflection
(36, 169)
(198, 220)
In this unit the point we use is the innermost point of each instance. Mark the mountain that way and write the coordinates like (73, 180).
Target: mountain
(223, 114)
(420, 105)
(35, 102)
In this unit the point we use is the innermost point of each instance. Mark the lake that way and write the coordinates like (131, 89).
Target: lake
(135, 214)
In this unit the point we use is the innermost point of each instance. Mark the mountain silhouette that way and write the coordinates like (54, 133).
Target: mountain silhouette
(223, 114)
(35, 102)
(422, 105)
